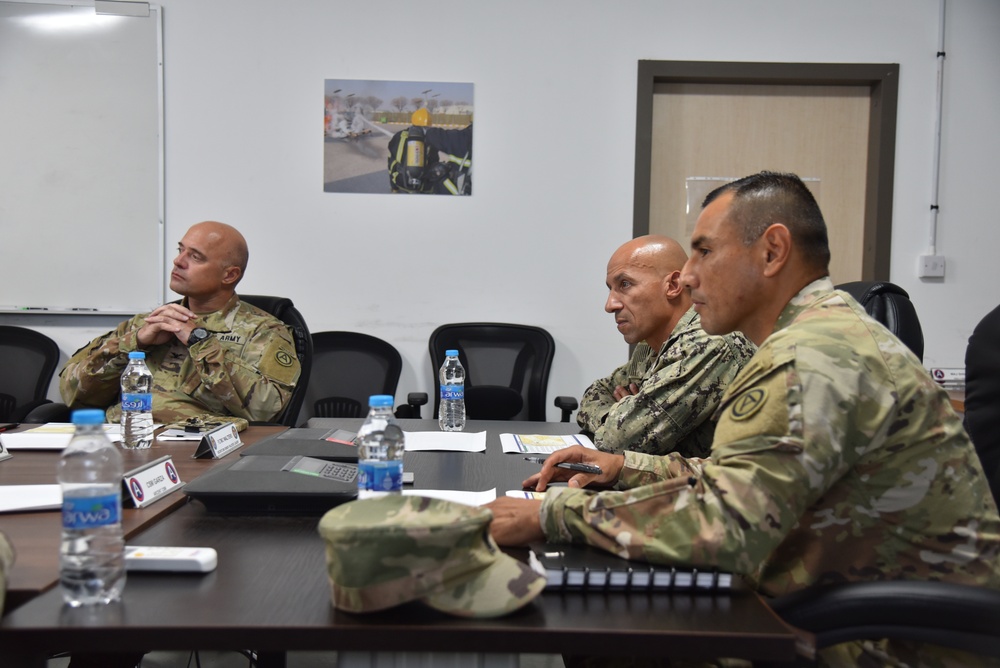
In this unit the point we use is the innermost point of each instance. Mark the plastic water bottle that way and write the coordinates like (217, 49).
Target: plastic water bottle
(92, 554)
(380, 450)
(137, 403)
(451, 412)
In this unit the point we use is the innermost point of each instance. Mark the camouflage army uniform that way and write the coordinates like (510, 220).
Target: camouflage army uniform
(679, 388)
(247, 368)
(836, 458)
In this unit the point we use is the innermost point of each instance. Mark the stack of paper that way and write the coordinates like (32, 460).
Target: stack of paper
(541, 444)
(51, 436)
(14, 498)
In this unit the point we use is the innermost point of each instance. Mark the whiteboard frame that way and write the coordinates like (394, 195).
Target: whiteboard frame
(156, 15)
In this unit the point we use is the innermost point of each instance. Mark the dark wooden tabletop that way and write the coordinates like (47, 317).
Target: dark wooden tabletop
(36, 535)
(270, 592)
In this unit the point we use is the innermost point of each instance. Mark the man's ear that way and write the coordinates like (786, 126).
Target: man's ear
(231, 275)
(672, 285)
(776, 247)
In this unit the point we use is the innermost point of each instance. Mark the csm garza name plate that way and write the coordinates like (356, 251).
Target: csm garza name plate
(151, 482)
(219, 442)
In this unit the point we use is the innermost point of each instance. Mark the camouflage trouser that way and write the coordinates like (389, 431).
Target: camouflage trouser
(648, 662)
(865, 654)
(6, 561)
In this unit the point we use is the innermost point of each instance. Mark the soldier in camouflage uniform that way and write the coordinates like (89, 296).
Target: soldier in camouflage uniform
(836, 456)
(663, 399)
(211, 356)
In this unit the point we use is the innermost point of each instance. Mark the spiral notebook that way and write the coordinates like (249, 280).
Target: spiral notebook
(585, 568)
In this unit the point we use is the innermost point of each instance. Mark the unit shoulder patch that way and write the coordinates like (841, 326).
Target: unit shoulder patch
(748, 403)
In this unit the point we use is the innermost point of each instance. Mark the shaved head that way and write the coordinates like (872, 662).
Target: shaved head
(228, 241)
(644, 292)
(653, 251)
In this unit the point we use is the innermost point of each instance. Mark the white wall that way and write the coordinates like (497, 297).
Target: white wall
(555, 142)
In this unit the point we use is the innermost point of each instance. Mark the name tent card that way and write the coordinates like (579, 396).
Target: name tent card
(219, 442)
(151, 482)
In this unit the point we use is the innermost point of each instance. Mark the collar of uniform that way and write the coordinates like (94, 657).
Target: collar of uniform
(810, 294)
(687, 320)
(221, 320)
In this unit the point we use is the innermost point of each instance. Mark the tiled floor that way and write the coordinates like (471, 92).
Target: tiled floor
(295, 660)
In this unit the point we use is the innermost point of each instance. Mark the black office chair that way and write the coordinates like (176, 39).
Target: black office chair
(349, 367)
(506, 368)
(940, 613)
(982, 395)
(284, 310)
(890, 305)
(28, 359)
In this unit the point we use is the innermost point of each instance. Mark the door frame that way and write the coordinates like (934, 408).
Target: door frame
(882, 81)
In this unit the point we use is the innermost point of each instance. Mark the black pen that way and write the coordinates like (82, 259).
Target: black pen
(572, 466)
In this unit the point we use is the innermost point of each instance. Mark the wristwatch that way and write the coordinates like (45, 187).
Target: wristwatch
(198, 334)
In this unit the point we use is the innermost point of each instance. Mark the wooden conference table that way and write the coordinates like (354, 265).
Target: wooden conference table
(270, 593)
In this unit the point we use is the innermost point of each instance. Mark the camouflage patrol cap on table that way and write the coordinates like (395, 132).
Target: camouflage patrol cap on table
(390, 550)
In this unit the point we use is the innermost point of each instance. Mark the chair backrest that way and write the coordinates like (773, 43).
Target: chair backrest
(284, 310)
(982, 395)
(349, 367)
(890, 305)
(28, 360)
(506, 368)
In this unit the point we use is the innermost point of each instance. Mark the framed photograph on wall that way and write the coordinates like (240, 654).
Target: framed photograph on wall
(397, 137)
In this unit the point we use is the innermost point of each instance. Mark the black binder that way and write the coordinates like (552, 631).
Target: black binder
(582, 567)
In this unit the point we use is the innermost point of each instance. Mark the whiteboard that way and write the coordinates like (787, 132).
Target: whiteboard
(81, 167)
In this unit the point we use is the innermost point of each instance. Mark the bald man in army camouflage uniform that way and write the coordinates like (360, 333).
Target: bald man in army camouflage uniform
(663, 398)
(211, 355)
(836, 456)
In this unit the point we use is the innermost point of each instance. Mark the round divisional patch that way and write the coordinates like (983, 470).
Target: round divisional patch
(283, 358)
(748, 403)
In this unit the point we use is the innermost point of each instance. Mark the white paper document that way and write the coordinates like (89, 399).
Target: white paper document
(542, 444)
(465, 498)
(51, 436)
(447, 441)
(525, 494)
(15, 498)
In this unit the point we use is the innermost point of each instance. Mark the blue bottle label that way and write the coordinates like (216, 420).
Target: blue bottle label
(88, 512)
(452, 392)
(376, 476)
(140, 403)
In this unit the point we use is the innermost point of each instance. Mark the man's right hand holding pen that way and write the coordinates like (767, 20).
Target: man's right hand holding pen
(610, 465)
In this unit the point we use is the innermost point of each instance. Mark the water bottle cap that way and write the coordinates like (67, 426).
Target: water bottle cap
(88, 416)
(380, 400)
(137, 355)
(451, 353)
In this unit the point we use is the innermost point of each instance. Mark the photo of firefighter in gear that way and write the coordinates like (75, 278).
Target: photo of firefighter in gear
(428, 160)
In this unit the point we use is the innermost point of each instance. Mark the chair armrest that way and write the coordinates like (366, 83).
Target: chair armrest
(20, 412)
(568, 405)
(943, 613)
(48, 412)
(411, 409)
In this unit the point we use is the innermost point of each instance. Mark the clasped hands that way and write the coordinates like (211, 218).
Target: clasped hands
(623, 391)
(517, 521)
(169, 320)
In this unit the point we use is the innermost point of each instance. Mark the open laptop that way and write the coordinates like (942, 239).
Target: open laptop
(297, 471)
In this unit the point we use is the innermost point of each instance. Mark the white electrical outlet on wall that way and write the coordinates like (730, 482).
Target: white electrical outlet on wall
(930, 266)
